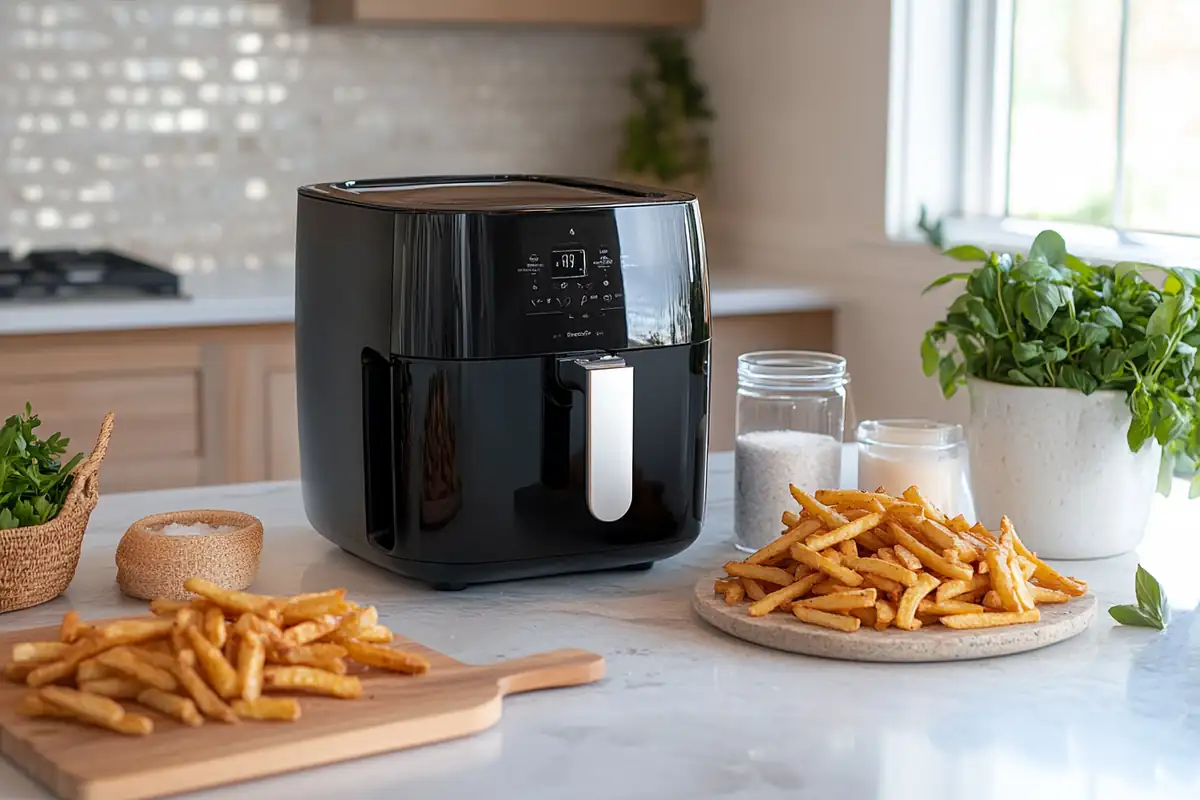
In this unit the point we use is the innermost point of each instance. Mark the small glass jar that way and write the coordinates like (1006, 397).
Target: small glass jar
(791, 413)
(898, 453)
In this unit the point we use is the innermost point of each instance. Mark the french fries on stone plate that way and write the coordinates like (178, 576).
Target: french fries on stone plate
(850, 558)
(224, 655)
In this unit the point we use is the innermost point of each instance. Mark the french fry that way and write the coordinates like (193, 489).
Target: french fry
(907, 610)
(825, 619)
(373, 655)
(913, 495)
(806, 555)
(307, 653)
(880, 567)
(930, 559)
(1047, 576)
(830, 586)
(942, 538)
(214, 626)
(252, 622)
(1041, 595)
(955, 588)
(278, 709)
(883, 584)
(885, 613)
(186, 617)
(121, 688)
(1002, 580)
(733, 595)
(848, 548)
(992, 600)
(64, 668)
(866, 615)
(132, 631)
(773, 575)
(220, 673)
(315, 681)
(842, 601)
(1020, 583)
(17, 673)
(788, 593)
(72, 627)
(903, 508)
(298, 610)
(173, 705)
(163, 661)
(233, 601)
(905, 557)
(166, 606)
(888, 554)
(780, 546)
(934, 609)
(309, 631)
(252, 654)
(871, 540)
(753, 588)
(851, 498)
(122, 660)
(38, 652)
(94, 709)
(789, 520)
(990, 619)
(722, 585)
(32, 705)
(206, 699)
(819, 541)
(92, 670)
(828, 517)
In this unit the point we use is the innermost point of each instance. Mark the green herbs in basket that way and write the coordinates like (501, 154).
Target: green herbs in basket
(33, 481)
(1051, 319)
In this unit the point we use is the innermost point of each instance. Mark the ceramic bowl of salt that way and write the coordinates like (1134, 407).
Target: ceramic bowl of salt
(158, 553)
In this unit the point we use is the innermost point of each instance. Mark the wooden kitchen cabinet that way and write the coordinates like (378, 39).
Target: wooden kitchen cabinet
(597, 13)
(193, 406)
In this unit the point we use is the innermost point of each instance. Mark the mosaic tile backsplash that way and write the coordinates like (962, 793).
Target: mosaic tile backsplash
(179, 131)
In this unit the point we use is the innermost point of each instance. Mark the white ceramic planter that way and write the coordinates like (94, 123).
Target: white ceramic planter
(1057, 463)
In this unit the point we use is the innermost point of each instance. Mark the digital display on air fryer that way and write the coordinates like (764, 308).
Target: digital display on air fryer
(568, 264)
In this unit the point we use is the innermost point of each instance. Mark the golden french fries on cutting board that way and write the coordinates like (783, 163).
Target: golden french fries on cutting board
(851, 558)
(224, 655)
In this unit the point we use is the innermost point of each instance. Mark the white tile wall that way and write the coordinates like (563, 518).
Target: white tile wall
(180, 130)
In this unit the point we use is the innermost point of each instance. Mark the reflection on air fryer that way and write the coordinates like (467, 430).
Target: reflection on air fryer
(441, 491)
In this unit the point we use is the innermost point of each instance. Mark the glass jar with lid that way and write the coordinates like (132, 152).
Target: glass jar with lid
(791, 414)
(898, 453)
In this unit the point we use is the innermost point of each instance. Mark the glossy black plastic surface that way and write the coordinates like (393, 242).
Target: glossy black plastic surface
(436, 438)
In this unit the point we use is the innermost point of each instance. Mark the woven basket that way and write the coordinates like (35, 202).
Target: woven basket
(151, 564)
(38, 562)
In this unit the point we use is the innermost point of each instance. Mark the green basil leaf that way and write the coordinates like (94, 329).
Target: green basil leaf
(978, 311)
(1092, 334)
(1163, 319)
(984, 282)
(1034, 272)
(960, 305)
(1016, 376)
(966, 252)
(1052, 355)
(1168, 428)
(1038, 304)
(947, 376)
(1077, 265)
(1065, 326)
(1036, 373)
(1150, 597)
(1185, 275)
(942, 281)
(1024, 352)
(1113, 361)
(1049, 247)
(929, 356)
(1138, 433)
(1194, 487)
(1166, 474)
(1124, 269)
(1130, 615)
(1073, 377)
(1159, 345)
(1106, 316)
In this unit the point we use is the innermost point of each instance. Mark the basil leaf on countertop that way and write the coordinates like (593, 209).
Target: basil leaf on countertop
(1152, 609)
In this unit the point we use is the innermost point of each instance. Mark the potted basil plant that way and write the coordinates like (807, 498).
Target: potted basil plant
(1083, 389)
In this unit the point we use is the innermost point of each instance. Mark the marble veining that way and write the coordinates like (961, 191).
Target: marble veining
(180, 130)
(687, 712)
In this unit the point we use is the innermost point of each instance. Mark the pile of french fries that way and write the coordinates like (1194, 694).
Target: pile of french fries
(850, 558)
(224, 655)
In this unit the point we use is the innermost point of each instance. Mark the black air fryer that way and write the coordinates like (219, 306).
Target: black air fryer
(502, 376)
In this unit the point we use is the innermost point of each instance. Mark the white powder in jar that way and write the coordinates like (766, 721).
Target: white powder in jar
(765, 462)
(196, 529)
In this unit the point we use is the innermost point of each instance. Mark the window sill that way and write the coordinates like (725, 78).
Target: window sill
(1089, 242)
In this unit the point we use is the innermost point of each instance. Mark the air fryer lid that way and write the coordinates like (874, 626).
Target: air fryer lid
(492, 193)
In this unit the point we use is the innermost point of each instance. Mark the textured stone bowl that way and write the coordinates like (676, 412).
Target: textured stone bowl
(934, 643)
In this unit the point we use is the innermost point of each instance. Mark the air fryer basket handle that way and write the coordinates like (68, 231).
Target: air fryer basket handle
(607, 386)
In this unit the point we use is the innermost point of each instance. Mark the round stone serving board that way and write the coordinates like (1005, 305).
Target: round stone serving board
(784, 632)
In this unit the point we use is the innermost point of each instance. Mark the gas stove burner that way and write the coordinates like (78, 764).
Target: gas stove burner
(82, 275)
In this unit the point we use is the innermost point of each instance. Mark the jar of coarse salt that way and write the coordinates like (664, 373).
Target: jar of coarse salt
(791, 411)
(898, 453)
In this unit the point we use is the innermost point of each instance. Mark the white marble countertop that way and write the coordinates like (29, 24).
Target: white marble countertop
(687, 712)
(245, 297)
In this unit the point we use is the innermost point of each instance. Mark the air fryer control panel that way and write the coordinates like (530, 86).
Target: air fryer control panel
(567, 283)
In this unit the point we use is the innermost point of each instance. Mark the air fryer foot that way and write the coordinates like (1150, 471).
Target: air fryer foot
(645, 565)
(445, 586)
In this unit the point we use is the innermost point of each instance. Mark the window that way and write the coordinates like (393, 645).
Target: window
(1008, 116)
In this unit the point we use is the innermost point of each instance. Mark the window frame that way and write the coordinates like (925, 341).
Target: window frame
(950, 78)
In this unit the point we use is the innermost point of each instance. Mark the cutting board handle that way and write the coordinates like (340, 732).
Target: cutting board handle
(548, 671)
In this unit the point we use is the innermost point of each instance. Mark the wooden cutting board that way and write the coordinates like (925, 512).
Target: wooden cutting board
(395, 712)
